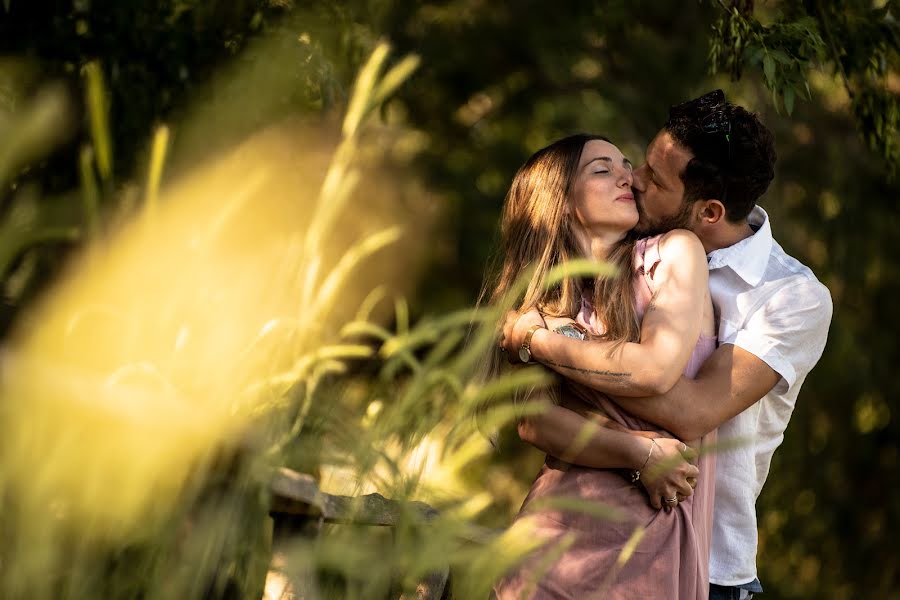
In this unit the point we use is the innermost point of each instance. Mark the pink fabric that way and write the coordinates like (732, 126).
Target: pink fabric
(671, 559)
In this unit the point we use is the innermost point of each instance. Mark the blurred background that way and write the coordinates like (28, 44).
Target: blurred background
(104, 105)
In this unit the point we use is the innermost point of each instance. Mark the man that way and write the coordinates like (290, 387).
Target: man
(705, 171)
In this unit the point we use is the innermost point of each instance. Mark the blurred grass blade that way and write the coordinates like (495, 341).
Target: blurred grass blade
(351, 258)
(548, 558)
(395, 78)
(90, 192)
(98, 111)
(154, 173)
(624, 556)
(496, 558)
(427, 332)
(443, 350)
(579, 505)
(370, 302)
(361, 100)
(365, 328)
(340, 181)
(630, 546)
(401, 316)
(579, 268)
(436, 377)
(505, 386)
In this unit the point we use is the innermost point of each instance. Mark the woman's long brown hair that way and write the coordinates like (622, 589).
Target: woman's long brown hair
(536, 233)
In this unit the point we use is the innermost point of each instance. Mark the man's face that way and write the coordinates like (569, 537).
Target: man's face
(658, 189)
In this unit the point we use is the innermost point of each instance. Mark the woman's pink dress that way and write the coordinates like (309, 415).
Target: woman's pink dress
(671, 560)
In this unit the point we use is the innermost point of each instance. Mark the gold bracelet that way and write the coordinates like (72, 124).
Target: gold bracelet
(636, 475)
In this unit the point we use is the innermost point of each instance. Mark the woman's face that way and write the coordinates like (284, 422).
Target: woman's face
(602, 201)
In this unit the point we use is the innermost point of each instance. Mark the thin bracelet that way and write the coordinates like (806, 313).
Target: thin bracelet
(636, 475)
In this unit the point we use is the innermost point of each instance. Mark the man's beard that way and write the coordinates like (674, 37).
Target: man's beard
(646, 227)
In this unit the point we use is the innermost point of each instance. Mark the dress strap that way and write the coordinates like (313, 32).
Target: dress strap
(647, 258)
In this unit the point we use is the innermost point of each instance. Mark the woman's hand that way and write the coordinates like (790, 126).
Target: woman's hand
(514, 329)
(516, 325)
(668, 475)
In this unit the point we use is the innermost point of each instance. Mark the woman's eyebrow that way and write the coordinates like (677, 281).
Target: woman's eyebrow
(598, 158)
(625, 161)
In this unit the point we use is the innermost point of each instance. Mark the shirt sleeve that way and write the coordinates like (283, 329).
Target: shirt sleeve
(789, 330)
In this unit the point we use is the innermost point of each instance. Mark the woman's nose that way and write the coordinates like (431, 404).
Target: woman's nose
(637, 182)
(627, 178)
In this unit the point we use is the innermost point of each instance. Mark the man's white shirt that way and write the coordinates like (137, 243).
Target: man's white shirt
(772, 306)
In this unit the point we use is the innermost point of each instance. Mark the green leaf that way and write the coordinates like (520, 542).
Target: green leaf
(781, 57)
(769, 69)
(789, 100)
(756, 54)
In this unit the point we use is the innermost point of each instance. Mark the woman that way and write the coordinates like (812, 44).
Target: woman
(573, 200)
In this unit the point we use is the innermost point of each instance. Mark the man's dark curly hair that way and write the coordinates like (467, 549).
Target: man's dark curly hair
(738, 176)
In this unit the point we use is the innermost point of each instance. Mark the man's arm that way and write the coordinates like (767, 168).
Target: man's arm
(780, 342)
(730, 381)
(670, 326)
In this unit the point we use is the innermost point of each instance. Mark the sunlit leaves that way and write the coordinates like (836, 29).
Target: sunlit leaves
(784, 50)
(858, 44)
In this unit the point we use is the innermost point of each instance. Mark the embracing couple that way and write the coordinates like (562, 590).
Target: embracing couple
(704, 336)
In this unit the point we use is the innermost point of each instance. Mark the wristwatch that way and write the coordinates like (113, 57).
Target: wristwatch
(525, 349)
(572, 330)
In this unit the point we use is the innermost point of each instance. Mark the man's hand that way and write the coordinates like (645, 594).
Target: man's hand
(668, 474)
(514, 329)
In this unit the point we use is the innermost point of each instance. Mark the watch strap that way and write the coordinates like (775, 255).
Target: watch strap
(526, 343)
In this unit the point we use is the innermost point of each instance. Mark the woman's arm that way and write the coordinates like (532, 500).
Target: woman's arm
(571, 437)
(669, 330)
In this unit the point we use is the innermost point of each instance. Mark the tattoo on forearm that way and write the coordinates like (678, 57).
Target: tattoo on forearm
(609, 374)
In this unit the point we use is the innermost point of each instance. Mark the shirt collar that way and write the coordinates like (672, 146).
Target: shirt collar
(750, 256)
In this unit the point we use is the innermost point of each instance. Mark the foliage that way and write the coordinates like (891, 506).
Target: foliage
(858, 41)
(783, 50)
(106, 384)
(496, 81)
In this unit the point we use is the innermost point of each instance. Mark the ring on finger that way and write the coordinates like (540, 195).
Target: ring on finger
(673, 500)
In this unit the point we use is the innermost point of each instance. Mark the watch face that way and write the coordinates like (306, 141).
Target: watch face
(524, 355)
(570, 330)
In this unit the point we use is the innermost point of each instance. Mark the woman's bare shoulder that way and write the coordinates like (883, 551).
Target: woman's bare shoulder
(681, 243)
